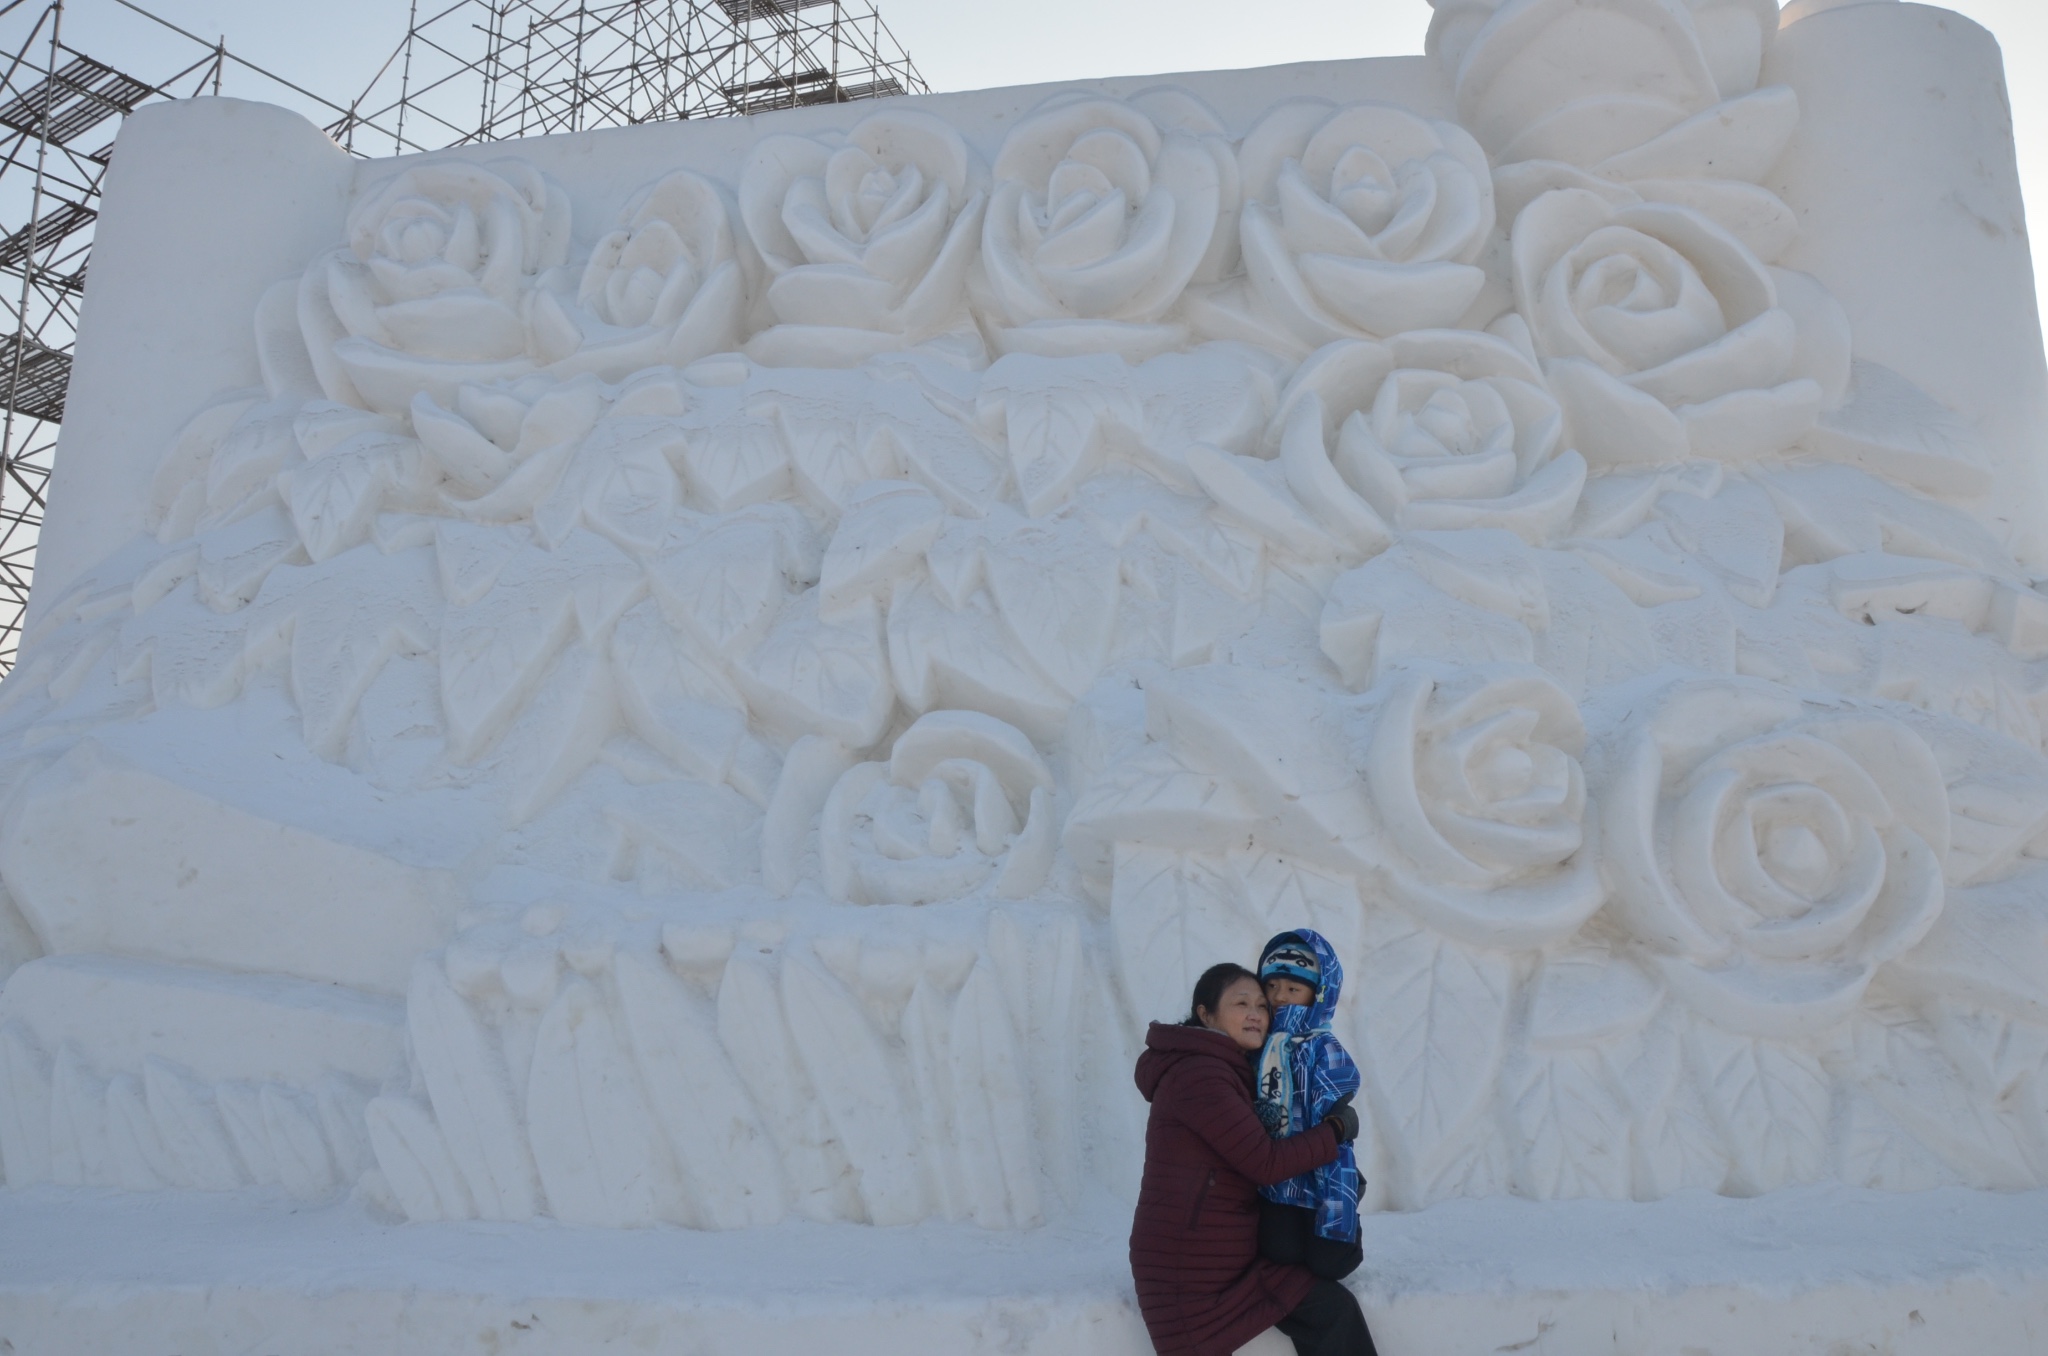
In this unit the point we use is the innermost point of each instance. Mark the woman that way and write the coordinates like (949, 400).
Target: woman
(1202, 1286)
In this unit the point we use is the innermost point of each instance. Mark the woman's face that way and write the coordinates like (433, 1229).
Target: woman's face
(1240, 1014)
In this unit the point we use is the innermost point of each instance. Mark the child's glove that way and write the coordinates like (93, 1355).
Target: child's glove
(1343, 1119)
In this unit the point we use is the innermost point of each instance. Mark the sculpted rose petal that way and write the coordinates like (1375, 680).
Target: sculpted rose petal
(1789, 877)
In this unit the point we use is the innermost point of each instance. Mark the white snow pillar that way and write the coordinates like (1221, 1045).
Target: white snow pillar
(208, 202)
(1905, 180)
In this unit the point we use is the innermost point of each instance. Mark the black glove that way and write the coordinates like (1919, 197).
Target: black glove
(1343, 1119)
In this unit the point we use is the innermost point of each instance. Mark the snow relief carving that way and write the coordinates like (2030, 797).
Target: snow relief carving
(762, 693)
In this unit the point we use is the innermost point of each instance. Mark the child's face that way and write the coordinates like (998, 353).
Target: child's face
(1284, 992)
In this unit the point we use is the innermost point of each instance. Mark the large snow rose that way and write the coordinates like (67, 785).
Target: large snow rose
(1362, 221)
(1663, 336)
(1476, 779)
(431, 290)
(867, 241)
(1580, 81)
(1636, 99)
(963, 800)
(1440, 429)
(664, 288)
(1100, 219)
(1772, 856)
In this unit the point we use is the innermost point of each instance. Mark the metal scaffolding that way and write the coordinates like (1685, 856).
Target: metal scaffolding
(467, 71)
(490, 70)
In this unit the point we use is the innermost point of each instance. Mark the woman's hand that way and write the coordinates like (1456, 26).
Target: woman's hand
(1343, 1119)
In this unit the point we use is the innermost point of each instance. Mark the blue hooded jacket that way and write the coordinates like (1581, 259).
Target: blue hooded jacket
(1304, 1071)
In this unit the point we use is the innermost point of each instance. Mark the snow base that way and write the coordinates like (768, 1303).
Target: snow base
(1829, 1271)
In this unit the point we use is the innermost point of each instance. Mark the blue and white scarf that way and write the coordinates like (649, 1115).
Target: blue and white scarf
(1303, 1072)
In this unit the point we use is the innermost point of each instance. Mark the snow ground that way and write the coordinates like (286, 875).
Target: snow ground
(1830, 1271)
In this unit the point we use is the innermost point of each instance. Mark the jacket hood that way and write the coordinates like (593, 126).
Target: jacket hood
(1324, 1008)
(1167, 1046)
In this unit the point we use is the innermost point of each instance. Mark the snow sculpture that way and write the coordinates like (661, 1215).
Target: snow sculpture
(724, 678)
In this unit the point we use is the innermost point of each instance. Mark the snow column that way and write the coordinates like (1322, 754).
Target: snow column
(1905, 181)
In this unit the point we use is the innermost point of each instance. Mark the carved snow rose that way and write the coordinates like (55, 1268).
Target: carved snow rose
(1546, 79)
(665, 287)
(1772, 856)
(1439, 430)
(431, 288)
(1100, 218)
(1663, 336)
(1476, 778)
(964, 800)
(867, 241)
(1363, 221)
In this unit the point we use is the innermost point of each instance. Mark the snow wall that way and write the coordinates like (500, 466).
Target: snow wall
(720, 672)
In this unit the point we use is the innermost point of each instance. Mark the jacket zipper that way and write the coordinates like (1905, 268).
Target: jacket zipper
(1201, 1199)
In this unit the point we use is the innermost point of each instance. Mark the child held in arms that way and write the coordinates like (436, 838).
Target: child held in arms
(1305, 1076)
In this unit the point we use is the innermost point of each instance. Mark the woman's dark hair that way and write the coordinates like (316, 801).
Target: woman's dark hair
(1209, 988)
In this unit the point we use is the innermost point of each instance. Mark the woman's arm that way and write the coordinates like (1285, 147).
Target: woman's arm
(1215, 1108)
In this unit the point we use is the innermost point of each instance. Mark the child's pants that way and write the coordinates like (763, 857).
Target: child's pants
(1287, 1234)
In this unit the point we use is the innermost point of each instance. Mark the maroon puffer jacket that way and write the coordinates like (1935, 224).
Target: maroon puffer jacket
(1202, 1286)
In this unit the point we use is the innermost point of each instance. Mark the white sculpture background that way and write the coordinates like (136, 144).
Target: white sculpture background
(1458, 538)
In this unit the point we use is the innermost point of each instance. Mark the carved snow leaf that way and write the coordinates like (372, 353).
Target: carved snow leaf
(472, 1097)
(1432, 1024)
(1151, 799)
(495, 652)
(236, 559)
(631, 492)
(1963, 1120)
(823, 677)
(350, 616)
(334, 498)
(1890, 426)
(927, 1040)
(1286, 894)
(1056, 592)
(1122, 506)
(681, 705)
(965, 658)
(189, 1130)
(24, 1108)
(1737, 534)
(685, 836)
(1771, 1102)
(887, 527)
(470, 556)
(1879, 1154)
(1046, 982)
(241, 1113)
(1994, 1051)
(1574, 1131)
(727, 1159)
(1677, 1148)
(1059, 416)
(292, 1123)
(831, 456)
(600, 1156)
(415, 1162)
(738, 461)
(725, 588)
(1173, 914)
(938, 449)
(193, 656)
(858, 1087)
(755, 1033)
(1000, 1168)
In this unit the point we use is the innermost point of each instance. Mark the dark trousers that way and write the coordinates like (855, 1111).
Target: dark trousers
(1287, 1234)
(1328, 1323)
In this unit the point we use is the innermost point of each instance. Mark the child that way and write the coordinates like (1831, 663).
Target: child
(1304, 1075)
